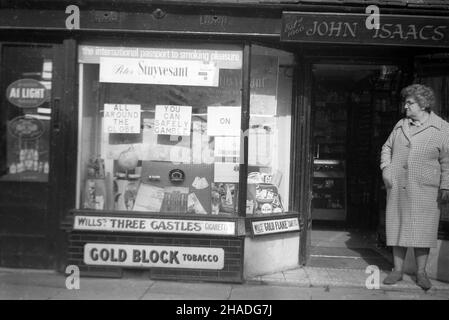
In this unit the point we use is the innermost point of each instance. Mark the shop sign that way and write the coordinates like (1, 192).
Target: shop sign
(172, 120)
(204, 227)
(121, 118)
(351, 28)
(223, 121)
(153, 256)
(274, 226)
(26, 128)
(26, 93)
(159, 71)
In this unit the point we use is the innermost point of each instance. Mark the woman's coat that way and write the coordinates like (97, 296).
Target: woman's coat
(417, 166)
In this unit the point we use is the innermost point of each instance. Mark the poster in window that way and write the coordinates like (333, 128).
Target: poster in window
(27, 144)
(264, 78)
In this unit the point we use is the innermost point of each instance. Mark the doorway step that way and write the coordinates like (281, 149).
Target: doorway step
(347, 258)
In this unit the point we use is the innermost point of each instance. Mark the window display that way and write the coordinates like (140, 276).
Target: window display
(269, 148)
(159, 129)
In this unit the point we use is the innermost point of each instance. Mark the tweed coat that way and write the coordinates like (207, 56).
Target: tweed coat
(417, 166)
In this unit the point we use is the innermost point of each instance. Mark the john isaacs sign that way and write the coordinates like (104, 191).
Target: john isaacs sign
(275, 226)
(351, 28)
(96, 223)
(153, 256)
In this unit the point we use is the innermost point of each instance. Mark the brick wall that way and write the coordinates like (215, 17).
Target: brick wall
(232, 246)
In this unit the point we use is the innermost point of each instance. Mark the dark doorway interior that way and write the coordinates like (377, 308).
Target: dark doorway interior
(354, 108)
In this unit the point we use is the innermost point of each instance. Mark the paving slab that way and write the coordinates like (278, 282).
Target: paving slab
(273, 276)
(22, 292)
(44, 279)
(318, 276)
(332, 293)
(347, 278)
(330, 277)
(297, 277)
(263, 292)
(176, 290)
(106, 289)
(417, 295)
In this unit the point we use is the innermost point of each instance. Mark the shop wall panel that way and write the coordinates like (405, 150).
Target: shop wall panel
(24, 252)
(424, 3)
(231, 272)
(30, 194)
(22, 219)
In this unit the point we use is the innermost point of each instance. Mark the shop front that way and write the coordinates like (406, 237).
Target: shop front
(197, 142)
(165, 151)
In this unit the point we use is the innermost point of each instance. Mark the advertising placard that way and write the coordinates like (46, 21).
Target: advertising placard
(224, 59)
(155, 71)
(153, 256)
(274, 226)
(223, 121)
(27, 93)
(121, 118)
(173, 120)
(128, 224)
(27, 143)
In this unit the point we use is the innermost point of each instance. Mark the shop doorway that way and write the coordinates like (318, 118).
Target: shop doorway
(353, 109)
(29, 82)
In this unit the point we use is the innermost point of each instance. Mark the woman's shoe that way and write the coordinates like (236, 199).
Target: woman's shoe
(393, 277)
(423, 281)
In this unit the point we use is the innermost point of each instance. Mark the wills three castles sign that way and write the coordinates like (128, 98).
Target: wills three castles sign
(351, 28)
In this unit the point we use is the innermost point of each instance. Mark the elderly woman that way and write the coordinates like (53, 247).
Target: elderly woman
(415, 170)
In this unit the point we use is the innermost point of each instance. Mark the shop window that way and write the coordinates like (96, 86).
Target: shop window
(25, 113)
(269, 142)
(159, 129)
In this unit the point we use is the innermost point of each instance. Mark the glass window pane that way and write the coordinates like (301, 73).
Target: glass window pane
(25, 113)
(269, 147)
(160, 132)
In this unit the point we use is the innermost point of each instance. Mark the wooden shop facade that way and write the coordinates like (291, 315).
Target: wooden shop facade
(117, 155)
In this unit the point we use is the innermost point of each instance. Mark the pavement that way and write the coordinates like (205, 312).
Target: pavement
(297, 284)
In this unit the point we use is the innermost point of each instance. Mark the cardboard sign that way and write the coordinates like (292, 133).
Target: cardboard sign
(223, 121)
(227, 146)
(226, 172)
(153, 256)
(121, 118)
(274, 226)
(26, 93)
(115, 224)
(173, 120)
(154, 71)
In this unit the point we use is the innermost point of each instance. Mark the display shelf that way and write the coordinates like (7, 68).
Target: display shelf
(328, 174)
(329, 201)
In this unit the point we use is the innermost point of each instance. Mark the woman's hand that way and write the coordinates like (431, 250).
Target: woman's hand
(387, 178)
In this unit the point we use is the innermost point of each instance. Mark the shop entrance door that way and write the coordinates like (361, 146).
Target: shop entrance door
(29, 89)
(352, 107)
